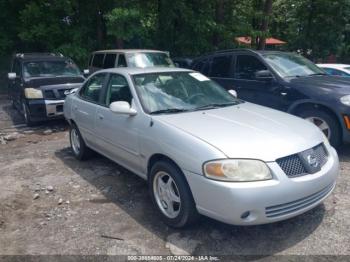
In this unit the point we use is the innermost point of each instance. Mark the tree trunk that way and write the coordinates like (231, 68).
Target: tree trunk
(265, 24)
(219, 19)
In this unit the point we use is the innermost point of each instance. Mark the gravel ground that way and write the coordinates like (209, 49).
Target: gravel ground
(52, 204)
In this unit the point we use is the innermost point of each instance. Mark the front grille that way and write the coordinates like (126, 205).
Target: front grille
(55, 94)
(61, 93)
(291, 207)
(293, 165)
(49, 94)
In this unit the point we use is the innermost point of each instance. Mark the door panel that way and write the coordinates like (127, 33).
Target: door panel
(264, 92)
(117, 134)
(85, 106)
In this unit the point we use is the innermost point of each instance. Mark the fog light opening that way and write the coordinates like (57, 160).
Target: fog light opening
(245, 215)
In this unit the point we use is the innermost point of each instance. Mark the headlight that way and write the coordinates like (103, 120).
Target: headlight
(237, 170)
(345, 100)
(33, 93)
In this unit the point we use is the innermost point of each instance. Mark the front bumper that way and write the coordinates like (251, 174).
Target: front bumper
(41, 109)
(252, 203)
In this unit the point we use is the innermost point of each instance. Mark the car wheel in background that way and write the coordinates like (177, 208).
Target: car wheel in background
(78, 146)
(326, 123)
(171, 195)
(26, 115)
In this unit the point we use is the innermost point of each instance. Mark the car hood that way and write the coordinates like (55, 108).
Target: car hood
(326, 83)
(53, 81)
(248, 131)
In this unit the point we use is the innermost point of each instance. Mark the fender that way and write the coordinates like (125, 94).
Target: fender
(293, 106)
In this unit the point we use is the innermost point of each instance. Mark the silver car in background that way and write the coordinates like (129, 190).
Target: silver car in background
(202, 150)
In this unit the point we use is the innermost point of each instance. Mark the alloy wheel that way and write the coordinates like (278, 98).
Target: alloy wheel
(75, 141)
(321, 124)
(167, 194)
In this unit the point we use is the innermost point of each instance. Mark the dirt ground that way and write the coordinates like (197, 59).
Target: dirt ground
(51, 203)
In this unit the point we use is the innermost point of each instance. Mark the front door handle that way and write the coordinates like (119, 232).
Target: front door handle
(75, 107)
(284, 93)
(100, 116)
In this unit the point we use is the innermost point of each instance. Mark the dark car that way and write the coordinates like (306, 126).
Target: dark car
(39, 82)
(284, 81)
(141, 58)
(182, 62)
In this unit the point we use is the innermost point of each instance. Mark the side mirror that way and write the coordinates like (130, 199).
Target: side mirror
(263, 75)
(11, 76)
(233, 92)
(122, 107)
(176, 64)
(86, 72)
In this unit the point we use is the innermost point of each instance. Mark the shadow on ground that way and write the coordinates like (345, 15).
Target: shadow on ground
(130, 193)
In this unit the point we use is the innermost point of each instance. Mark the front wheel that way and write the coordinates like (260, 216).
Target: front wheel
(326, 123)
(171, 195)
(26, 115)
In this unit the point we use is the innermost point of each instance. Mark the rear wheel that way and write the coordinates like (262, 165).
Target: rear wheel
(326, 123)
(171, 195)
(80, 150)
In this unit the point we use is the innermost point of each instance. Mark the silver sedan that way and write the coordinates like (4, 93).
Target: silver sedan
(202, 150)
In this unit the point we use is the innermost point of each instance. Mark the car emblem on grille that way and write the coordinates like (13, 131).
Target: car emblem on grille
(312, 160)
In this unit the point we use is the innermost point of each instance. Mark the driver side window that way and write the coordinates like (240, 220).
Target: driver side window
(247, 66)
(118, 90)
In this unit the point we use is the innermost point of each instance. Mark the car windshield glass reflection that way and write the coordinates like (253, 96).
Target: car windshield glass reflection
(292, 65)
(149, 60)
(50, 68)
(174, 92)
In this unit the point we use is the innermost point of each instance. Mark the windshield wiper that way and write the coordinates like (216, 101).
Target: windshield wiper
(215, 105)
(317, 74)
(169, 110)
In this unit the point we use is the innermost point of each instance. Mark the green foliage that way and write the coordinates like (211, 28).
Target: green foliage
(183, 27)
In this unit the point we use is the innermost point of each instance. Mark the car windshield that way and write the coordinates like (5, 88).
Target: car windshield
(173, 92)
(50, 68)
(151, 59)
(292, 65)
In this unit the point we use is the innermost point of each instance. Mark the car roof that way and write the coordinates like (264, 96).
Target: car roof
(39, 56)
(259, 52)
(128, 51)
(135, 70)
(336, 66)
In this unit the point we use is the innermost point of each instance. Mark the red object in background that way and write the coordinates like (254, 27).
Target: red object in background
(246, 40)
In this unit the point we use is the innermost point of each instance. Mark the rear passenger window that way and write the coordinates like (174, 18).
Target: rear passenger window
(109, 61)
(118, 90)
(90, 60)
(221, 66)
(98, 60)
(247, 66)
(122, 61)
(92, 89)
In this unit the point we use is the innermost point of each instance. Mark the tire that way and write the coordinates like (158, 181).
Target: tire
(26, 115)
(323, 119)
(80, 150)
(174, 187)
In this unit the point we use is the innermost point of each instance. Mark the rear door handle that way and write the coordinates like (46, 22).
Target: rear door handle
(100, 116)
(284, 93)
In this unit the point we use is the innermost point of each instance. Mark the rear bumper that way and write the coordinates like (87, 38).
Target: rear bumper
(253, 203)
(41, 109)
